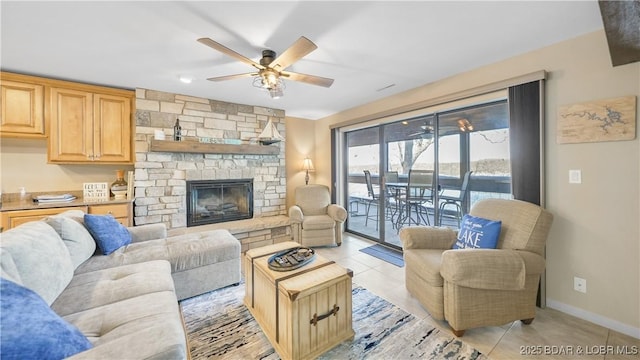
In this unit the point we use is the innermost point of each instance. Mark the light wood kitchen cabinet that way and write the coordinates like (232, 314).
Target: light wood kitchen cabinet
(122, 212)
(21, 107)
(83, 123)
(11, 219)
(89, 126)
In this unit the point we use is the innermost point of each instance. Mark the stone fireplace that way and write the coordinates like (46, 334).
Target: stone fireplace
(216, 201)
(161, 177)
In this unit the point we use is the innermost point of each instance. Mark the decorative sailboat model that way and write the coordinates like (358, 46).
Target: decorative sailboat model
(270, 134)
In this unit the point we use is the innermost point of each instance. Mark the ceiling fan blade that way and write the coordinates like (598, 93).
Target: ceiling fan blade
(309, 79)
(295, 52)
(230, 77)
(225, 50)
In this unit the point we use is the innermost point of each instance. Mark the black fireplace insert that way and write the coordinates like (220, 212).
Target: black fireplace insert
(215, 201)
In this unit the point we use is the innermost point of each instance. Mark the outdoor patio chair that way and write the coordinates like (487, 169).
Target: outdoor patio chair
(456, 200)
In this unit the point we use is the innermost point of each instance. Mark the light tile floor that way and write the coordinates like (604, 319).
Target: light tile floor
(552, 335)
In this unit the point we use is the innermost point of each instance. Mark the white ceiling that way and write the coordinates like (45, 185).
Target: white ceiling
(365, 46)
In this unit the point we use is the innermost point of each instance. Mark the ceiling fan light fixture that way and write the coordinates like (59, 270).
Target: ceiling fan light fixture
(276, 93)
(464, 125)
(271, 82)
(270, 79)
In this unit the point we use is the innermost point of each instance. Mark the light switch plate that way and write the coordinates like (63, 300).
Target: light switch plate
(575, 177)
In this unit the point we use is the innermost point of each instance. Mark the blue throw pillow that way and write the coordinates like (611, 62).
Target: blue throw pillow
(478, 233)
(108, 233)
(31, 330)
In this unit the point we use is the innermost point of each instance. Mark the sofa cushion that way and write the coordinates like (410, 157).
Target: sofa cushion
(313, 199)
(485, 269)
(102, 287)
(108, 233)
(426, 264)
(525, 225)
(184, 252)
(477, 233)
(318, 222)
(31, 330)
(39, 258)
(147, 326)
(75, 235)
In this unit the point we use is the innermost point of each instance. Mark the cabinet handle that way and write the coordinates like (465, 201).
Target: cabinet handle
(97, 157)
(317, 318)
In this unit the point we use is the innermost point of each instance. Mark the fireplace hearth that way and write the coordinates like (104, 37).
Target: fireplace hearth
(215, 201)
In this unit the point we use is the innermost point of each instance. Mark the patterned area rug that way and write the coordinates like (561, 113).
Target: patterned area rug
(220, 326)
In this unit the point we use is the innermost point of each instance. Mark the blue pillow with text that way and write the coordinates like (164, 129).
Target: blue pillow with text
(31, 330)
(477, 233)
(108, 233)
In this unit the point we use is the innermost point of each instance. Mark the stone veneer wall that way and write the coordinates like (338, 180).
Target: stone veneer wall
(160, 177)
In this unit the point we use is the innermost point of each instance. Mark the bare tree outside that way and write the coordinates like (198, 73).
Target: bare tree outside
(409, 151)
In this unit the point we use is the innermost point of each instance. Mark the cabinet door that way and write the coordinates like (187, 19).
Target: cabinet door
(112, 128)
(121, 212)
(11, 219)
(71, 122)
(22, 110)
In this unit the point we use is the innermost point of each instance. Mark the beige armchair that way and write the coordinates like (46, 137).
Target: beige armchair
(314, 220)
(479, 287)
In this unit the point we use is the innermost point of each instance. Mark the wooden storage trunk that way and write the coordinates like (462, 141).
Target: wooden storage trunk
(303, 312)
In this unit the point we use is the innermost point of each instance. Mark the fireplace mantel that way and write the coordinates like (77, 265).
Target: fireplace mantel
(205, 148)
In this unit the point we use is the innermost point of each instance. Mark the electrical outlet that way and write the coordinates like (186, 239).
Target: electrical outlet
(580, 285)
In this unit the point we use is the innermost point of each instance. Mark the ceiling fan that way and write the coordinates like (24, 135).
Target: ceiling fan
(426, 133)
(271, 69)
(461, 125)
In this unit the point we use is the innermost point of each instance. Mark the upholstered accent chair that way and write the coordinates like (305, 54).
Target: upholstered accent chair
(479, 287)
(315, 221)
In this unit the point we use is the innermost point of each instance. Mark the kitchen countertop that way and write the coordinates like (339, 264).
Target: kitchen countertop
(11, 203)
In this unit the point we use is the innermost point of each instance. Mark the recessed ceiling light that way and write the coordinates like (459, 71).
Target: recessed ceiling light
(186, 80)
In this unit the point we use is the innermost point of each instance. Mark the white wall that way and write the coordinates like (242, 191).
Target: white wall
(23, 163)
(300, 143)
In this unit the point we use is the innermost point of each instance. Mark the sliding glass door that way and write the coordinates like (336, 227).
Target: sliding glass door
(410, 147)
(473, 159)
(425, 170)
(364, 202)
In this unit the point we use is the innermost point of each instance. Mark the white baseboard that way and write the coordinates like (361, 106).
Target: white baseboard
(595, 318)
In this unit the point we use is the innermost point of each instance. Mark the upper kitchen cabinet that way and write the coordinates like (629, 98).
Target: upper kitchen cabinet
(90, 124)
(21, 107)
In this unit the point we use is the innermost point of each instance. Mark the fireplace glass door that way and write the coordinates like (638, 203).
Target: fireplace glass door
(215, 201)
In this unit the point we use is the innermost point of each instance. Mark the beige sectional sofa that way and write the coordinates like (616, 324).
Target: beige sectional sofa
(125, 303)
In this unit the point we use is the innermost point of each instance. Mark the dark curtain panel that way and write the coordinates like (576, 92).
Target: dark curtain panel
(524, 136)
(334, 181)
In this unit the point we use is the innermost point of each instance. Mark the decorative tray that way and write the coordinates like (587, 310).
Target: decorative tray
(291, 259)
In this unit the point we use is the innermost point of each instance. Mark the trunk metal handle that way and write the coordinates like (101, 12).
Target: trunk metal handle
(317, 318)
